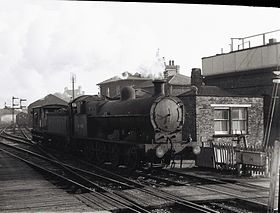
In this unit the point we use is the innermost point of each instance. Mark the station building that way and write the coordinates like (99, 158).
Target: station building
(249, 71)
(216, 115)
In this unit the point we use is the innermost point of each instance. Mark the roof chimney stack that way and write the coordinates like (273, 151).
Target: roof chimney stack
(171, 69)
(196, 77)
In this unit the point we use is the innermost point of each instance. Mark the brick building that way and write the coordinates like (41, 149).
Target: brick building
(6, 115)
(248, 71)
(216, 115)
(68, 93)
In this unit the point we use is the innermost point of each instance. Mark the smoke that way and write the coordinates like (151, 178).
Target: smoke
(153, 69)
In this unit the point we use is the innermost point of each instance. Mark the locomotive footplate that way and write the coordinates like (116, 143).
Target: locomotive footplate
(163, 148)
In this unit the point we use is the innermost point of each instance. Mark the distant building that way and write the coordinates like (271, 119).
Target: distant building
(68, 93)
(111, 87)
(175, 83)
(171, 69)
(248, 71)
(6, 114)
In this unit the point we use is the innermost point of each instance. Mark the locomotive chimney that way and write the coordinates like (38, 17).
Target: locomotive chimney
(158, 87)
(196, 77)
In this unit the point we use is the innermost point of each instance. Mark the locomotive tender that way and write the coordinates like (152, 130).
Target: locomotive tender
(129, 131)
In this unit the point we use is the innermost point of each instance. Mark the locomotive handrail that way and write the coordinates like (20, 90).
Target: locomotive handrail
(111, 116)
(106, 140)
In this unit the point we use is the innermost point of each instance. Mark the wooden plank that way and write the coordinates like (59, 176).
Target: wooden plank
(94, 205)
(23, 189)
(101, 200)
(274, 171)
(207, 197)
(143, 198)
(236, 192)
(57, 207)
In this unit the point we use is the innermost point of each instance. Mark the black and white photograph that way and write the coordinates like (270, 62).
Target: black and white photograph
(153, 107)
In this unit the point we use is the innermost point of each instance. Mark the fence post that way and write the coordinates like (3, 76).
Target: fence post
(273, 177)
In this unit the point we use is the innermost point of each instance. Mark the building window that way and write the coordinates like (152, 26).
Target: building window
(118, 90)
(231, 120)
(238, 120)
(108, 92)
(221, 119)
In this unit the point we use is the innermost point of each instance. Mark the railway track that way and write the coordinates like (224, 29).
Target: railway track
(210, 184)
(236, 203)
(68, 178)
(151, 182)
(114, 194)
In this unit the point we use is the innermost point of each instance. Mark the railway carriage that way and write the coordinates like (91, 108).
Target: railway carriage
(50, 122)
(22, 119)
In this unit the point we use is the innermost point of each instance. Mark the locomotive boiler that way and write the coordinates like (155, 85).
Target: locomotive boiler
(129, 131)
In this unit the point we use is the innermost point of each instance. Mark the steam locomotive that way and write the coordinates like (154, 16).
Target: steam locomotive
(129, 131)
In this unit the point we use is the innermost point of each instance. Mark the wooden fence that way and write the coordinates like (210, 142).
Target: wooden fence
(242, 160)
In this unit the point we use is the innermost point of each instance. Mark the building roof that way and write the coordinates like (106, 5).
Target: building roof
(207, 91)
(179, 79)
(129, 77)
(47, 100)
(146, 84)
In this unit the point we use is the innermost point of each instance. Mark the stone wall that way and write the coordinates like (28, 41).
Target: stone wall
(205, 118)
(189, 127)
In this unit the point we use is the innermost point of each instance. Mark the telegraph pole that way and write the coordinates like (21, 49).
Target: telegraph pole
(73, 80)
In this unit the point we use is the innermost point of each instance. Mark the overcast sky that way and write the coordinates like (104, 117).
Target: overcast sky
(42, 42)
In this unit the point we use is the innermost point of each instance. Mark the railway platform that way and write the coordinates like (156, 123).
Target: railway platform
(22, 189)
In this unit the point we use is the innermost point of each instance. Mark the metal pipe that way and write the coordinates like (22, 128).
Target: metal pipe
(231, 47)
(274, 96)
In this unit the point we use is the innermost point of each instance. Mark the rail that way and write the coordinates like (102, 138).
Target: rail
(116, 196)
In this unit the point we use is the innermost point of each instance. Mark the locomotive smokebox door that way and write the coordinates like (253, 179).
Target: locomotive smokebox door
(167, 117)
